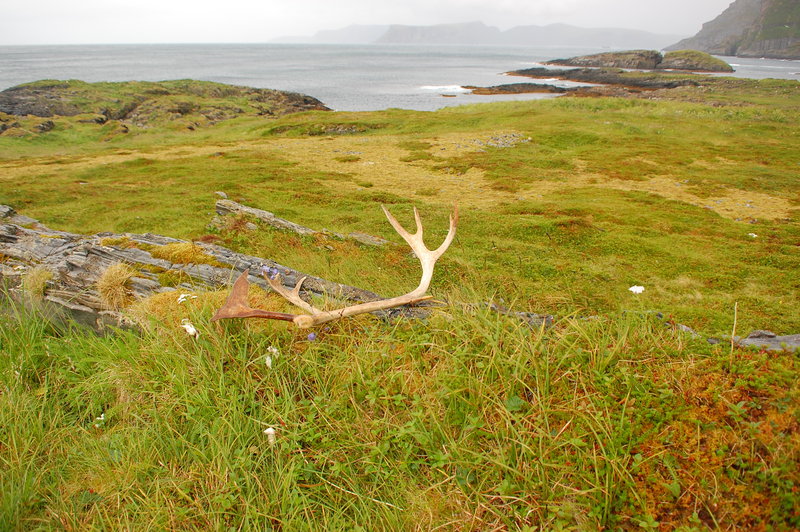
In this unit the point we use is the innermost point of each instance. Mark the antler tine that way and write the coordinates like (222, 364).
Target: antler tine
(451, 233)
(293, 296)
(418, 221)
(397, 227)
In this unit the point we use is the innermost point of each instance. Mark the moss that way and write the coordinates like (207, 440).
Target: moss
(173, 278)
(118, 242)
(184, 253)
(150, 268)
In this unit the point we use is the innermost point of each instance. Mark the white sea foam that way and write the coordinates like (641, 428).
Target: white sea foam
(444, 88)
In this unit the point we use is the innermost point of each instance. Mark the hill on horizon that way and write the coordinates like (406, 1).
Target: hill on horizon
(479, 33)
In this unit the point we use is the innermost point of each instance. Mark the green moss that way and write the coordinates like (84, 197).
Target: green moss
(184, 253)
(118, 242)
(173, 278)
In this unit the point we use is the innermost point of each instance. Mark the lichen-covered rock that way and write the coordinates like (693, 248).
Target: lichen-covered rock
(77, 262)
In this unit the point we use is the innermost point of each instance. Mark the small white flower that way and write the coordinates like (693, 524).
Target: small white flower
(752, 235)
(185, 297)
(636, 289)
(189, 328)
(268, 361)
(270, 432)
(273, 350)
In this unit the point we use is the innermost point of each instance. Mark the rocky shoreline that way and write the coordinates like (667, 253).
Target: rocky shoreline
(614, 74)
(37, 107)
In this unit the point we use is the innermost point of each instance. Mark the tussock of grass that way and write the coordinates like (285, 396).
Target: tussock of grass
(35, 280)
(112, 285)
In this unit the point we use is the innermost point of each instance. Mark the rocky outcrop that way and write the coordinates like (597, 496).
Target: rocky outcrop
(770, 341)
(607, 76)
(73, 264)
(518, 88)
(226, 207)
(751, 28)
(690, 60)
(143, 103)
(639, 59)
(693, 61)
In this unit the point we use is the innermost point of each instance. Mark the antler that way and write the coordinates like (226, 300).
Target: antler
(236, 305)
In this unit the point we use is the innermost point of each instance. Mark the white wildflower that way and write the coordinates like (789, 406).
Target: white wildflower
(752, 235)
(273, 350)
(268, 361)
(270, 432)
(185, 297)
(636, 289)
(190, 330)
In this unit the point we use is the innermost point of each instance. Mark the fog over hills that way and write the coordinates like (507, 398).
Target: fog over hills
(480, 34)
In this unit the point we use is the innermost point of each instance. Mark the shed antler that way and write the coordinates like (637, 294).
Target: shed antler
(236, 305)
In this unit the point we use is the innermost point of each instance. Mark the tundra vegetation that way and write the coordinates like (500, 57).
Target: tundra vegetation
(611, 418)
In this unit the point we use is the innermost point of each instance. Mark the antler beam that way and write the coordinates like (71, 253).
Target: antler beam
(236, 305)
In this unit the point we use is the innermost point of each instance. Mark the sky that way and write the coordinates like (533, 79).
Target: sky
(213, 21)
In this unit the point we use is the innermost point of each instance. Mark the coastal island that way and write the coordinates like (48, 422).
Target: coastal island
(616, 73)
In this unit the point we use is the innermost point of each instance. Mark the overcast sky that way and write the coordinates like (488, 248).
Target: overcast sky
(192, 21)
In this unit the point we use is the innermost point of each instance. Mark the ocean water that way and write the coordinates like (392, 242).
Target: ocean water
(343, 77)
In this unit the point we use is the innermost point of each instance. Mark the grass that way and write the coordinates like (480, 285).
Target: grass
(606, 194)
(469, 420)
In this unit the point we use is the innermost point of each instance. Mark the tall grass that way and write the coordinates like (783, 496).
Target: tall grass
(469, 420)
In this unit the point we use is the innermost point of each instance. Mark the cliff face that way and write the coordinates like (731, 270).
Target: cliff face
(751, 28)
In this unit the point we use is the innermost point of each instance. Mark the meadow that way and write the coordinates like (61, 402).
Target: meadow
(613, 418)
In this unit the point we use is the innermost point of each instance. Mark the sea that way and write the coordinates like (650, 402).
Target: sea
(344, 77)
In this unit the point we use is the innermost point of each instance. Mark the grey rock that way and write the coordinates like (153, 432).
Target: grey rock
(226, 207)
(78, 261)
(770, 341)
